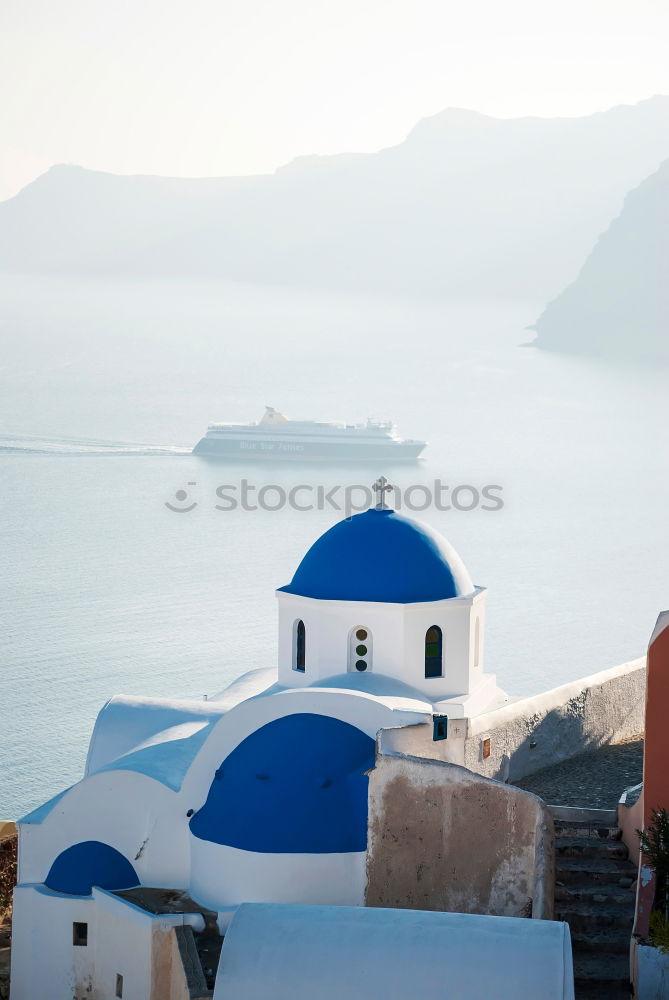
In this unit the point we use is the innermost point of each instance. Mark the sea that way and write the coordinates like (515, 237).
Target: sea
(106, 385)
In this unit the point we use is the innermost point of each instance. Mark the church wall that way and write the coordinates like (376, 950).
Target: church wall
(455, 619)
(122, 944)
(536, 732)
(441, 838)
(121, 940)
(383, 623)
(366, 712)
(398, 640)
(44, 961)
(223, 875)
(328, 626)
(134, 814)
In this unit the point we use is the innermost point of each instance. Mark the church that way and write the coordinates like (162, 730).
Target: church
(315, 815)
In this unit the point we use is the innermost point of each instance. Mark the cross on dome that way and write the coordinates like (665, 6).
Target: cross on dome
(381, 486)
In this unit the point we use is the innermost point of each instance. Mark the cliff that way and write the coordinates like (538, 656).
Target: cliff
(619, 303)
(467, 206)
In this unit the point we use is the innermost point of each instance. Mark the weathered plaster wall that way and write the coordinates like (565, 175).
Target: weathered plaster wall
(650, 972)
(7, 829)
(442, 838)
(655, 793)
(630, 819)
(187, 980)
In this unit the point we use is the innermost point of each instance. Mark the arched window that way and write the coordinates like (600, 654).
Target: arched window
(360, 649)
(299, 646)
(477, 642)
(433, 652)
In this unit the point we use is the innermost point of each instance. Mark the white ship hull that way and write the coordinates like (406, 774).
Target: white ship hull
(276, 438)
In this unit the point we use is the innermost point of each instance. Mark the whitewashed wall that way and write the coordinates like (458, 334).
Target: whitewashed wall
(44, 961)
(122, 939)
(136, 815)
(222, 876)
(398, 633)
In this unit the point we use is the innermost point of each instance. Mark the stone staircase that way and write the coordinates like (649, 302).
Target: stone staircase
(594, 895)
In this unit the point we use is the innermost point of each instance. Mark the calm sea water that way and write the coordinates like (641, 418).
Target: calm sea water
(104, 386)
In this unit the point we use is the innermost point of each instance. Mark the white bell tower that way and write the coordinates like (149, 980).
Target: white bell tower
(382, 596)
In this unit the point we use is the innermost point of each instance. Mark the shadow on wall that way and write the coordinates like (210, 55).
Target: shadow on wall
(541, 744)
(541, 731)
(556, 736)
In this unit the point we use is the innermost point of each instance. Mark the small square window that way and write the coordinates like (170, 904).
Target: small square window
(80, 934)
(119, 985)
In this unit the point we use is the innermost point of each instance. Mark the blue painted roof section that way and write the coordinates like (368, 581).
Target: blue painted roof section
(80, 867)
(382, 556)
(297, 785)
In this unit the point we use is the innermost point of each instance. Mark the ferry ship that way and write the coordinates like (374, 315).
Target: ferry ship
(276, 437)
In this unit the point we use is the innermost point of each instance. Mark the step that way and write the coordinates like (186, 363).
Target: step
(582, 814)
(603, 991)
(597, 894)
(571, 870)
(613, 968)
(588, 830)
(584, 918)
(575, 847)
(615, 940)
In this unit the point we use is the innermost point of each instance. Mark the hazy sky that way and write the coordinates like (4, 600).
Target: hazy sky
(211, 87)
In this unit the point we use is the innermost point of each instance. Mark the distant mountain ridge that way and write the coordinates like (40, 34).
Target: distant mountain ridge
(466, 206)
(619, 302)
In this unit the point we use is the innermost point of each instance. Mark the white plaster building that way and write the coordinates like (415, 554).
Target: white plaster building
(259, 795)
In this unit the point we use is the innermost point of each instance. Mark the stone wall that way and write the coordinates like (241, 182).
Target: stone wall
(530, 733)
(536, 732)
(442, 838)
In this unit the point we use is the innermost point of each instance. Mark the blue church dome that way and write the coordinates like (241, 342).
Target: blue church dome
(381, 555)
